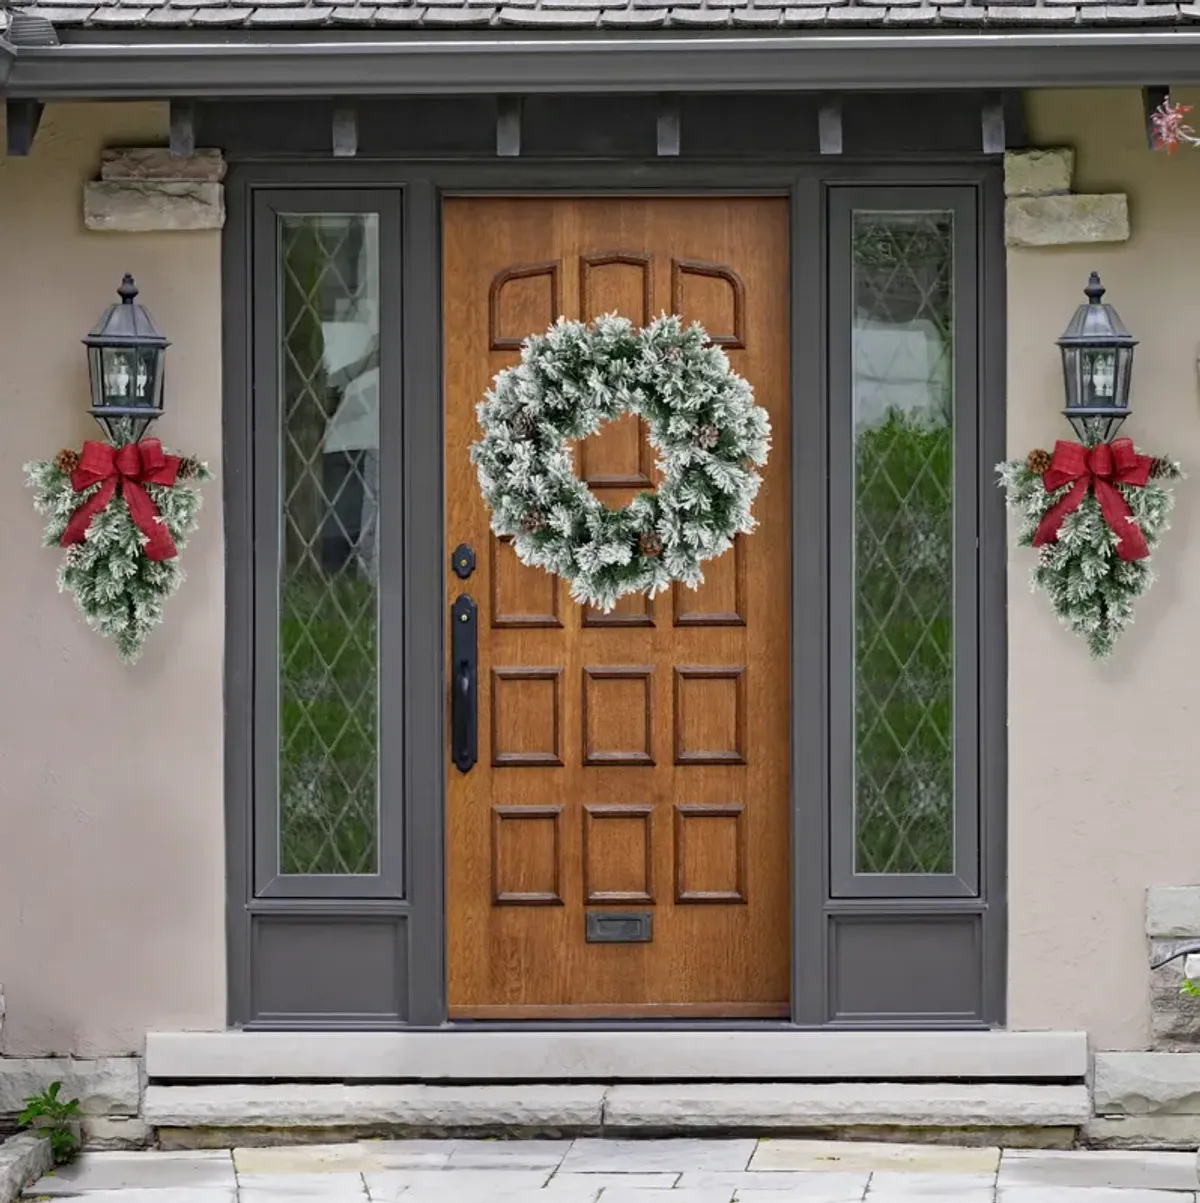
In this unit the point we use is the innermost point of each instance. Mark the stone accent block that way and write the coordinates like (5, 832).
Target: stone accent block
(105, 1086)
(1066, 220)
(23, 1159)
(172, 1178)
(1146, 1084)
(142, 206)
(158, 163)
(291, 1105)
(1086, 1170)
(1142, 1132)
(115, 1132)
(658, 1156)
(749, 1106)
(1038, 172)
(1173, 912)
(1174, 1016)
(913, 1162)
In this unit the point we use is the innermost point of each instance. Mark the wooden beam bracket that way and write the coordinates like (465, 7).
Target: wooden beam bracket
(829, 125)
(508, 126)
(345, 132)
(183, 129)
(1153, 99)
(22, 118)
(992, 125)
(669, 126)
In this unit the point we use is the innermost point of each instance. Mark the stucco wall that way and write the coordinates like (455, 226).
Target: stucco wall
(111, 842)
(1104, 760)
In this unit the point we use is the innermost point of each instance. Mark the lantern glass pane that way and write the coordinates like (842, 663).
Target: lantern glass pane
(146, 370)
(1070, 358)
(96, 376)
(1124, 376)
(118, 370)
(1099, 375)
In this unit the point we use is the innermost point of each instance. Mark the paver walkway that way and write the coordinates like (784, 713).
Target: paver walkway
(622, 1171)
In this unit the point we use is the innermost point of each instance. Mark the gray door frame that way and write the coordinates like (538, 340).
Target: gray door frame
(418, 919)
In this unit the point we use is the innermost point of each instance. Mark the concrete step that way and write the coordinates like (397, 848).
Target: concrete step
(1029, 1114)
(650, 1056)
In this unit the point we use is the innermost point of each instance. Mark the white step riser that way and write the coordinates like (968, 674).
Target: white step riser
(557, 1056)
(725, 1106)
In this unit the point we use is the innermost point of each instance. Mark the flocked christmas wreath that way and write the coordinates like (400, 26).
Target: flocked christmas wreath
(1094, 513)
(123, 514)
(709, 436)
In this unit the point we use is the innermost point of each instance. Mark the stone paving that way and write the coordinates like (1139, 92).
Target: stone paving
(624, 1171)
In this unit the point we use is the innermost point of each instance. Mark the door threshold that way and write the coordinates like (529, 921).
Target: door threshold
(649, 1024)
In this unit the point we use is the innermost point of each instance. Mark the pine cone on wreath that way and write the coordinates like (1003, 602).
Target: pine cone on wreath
(533, 522)
(708, 437)
(524, 425)
(189, 467)
(66, 461)
(1038, 462)
(650, 544)
(1162, 467)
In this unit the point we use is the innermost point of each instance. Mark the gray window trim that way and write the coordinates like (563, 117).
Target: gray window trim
(420, 914)
(269, 882)
(968, 471)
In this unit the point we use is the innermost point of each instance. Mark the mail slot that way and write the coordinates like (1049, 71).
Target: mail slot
(619, 927)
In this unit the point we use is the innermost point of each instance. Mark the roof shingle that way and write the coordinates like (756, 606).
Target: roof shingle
(635, 14)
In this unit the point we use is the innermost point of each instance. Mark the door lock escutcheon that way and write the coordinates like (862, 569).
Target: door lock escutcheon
(462, 561)
(464, 701)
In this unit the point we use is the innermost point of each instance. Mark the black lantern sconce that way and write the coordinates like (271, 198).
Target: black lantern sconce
(126, 356)
(1097, 355)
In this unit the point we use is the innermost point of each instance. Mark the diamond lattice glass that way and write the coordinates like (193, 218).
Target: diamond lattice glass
(329, 533)
(903, 543)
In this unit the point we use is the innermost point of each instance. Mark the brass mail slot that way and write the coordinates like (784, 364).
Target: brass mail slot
(619, 927)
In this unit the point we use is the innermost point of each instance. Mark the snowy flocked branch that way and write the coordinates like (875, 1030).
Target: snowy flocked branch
(1091, 588)
(119, 591)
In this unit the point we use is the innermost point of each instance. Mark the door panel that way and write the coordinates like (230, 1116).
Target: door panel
(636, 761)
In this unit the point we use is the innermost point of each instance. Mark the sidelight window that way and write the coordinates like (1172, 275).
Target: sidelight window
(903, 402)
(904, 514)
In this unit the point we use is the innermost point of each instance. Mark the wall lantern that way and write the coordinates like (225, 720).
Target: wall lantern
(1097, 355)
(126, 356)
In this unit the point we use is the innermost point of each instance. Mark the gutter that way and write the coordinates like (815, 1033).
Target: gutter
(8, 53)
(191, 63)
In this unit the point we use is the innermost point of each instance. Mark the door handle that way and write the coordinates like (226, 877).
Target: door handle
(464, 702)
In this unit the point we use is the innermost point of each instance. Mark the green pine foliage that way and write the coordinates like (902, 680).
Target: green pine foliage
(708, 433)
(117, 589)
(1091, 588)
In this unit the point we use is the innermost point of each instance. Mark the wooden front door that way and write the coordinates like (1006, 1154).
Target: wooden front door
(633, 765)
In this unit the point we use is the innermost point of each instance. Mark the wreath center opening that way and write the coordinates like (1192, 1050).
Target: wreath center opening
(618, 461)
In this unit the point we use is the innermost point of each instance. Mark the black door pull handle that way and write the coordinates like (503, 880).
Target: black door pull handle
(464, 703)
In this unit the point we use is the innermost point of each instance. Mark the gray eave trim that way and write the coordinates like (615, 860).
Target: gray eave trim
(187, 65)
(8, 52)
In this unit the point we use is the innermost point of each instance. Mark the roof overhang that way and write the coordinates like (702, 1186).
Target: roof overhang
(194, 63)
(8, 53)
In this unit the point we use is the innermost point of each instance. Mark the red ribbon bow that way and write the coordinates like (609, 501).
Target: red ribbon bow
(1103, 467)
(131, 466)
